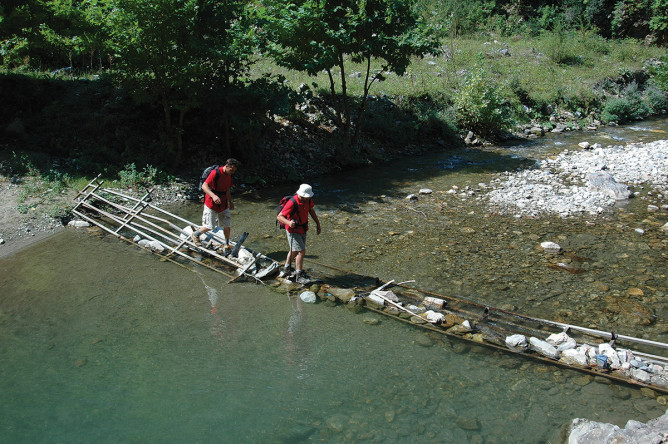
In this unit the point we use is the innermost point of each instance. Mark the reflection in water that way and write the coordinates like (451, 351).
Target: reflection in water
(296, 336)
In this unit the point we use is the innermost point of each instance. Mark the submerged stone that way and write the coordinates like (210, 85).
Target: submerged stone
(308, 297)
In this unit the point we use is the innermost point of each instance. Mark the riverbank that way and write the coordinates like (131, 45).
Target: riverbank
(558, 185)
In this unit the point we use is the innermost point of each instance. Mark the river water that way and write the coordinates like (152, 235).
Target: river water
(100, 341)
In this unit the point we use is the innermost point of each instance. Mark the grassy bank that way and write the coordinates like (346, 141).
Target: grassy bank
(69, 128)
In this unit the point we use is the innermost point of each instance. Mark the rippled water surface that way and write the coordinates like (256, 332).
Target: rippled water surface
(100, 341)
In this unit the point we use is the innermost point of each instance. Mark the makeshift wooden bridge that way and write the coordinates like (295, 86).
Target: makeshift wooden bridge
(619, 357)
(167, 234)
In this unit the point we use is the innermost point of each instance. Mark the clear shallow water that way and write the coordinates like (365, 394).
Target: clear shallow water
(155, 352)
(100, 341)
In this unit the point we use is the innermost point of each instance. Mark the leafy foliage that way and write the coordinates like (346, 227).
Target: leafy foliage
(320, 35)
(479, 105)
(175, 52)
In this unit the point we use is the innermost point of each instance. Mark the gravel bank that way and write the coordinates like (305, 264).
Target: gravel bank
(561, 184)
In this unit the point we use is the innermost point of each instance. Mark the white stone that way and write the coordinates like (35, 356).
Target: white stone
(517, 342)
(416, 309)
(574, 356)
(640, 375)
(412, 197)
(387, 294)
(569, 344)
(136, 239)
(376, 299)
(156, 246)
(78, 224)
(640, 231)
(467, 325)
(425, 191)
(434, 317)
(665, 227)
(550, 247)
(434, 302)
(543, 348)
(557, 339)
(652, 208)
(584, 145)
(2, 241)
(308, 297)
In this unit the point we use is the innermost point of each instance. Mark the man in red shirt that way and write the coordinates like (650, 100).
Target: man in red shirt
(294, 216)
(217, 201)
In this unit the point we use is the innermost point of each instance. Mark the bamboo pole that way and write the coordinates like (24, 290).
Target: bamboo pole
(94, 222)
(133, 226)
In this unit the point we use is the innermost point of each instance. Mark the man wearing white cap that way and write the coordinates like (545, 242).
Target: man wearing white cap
(294, 216)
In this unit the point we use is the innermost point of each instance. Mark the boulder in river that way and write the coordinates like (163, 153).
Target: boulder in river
(606, 184)
(583, 431)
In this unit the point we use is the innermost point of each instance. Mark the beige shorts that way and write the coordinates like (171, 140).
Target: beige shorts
(210, 217)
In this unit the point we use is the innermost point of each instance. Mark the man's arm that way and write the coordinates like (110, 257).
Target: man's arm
(315, 218)
(207, 189)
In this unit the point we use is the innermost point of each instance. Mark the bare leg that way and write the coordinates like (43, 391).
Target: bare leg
(226, 232)
(299, 260)
(288, 260)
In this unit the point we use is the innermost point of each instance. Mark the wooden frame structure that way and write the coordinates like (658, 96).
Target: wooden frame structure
(117, 213)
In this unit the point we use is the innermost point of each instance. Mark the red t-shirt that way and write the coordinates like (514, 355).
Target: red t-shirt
(223, 183)
(300, 215)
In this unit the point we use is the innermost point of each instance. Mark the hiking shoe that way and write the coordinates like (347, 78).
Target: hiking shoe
(195, 237)
(302, 278)
(286, 272)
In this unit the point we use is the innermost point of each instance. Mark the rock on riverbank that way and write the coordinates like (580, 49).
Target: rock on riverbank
(577, 182)
(582, 431)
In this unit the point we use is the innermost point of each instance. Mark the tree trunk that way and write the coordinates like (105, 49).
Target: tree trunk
(344, 99)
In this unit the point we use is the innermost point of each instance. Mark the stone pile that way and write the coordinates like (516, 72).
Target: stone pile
(562, 347)
(583, 182)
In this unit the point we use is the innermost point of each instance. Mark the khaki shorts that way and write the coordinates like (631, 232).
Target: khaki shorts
(210, 217)
(297, 241)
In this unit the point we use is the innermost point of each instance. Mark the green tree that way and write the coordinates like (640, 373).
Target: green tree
(321, 35)
(176, 52)
(659, 21)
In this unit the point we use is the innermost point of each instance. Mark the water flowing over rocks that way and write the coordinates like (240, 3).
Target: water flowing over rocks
(583, 182)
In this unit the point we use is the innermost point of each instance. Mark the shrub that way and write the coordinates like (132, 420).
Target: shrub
(655, 99)
(660, 74)
(480, 107)
(627, 107)
(17, 165)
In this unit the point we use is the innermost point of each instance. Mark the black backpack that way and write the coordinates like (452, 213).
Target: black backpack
(205, 174)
